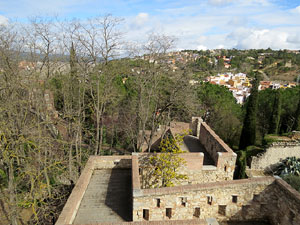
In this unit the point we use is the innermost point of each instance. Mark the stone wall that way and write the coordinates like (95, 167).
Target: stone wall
(220, 152)
(274, 154)
(286, 207)
(257, 199)
(264, 198)
(221, 200)
(196, 172)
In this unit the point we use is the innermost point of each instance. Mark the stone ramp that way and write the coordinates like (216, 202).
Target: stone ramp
(107, 197)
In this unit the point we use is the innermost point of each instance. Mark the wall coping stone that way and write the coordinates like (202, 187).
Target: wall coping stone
(288, 189)
(199, 187)
(165, 222)
(217, 138)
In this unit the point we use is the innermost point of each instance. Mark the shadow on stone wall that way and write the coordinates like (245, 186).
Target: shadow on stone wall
(118, 196)
(274, 205)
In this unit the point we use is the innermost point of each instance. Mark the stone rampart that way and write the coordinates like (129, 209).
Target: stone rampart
(286, 207)
(220, 152)
(265, 198)
(274, 154)
(221, 200)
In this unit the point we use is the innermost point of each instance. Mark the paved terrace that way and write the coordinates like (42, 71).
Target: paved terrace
(107, 197)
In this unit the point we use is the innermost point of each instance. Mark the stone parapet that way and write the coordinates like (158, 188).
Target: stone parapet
(220, 152)
(222, 200)
(71, 207)
(177, 222)
(214, 185)
(135, 176)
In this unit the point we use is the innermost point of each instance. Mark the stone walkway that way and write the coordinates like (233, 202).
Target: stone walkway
(107, 197)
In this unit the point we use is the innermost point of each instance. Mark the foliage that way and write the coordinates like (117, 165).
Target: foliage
(292, 180)
(241, 163)
(296, 125)
(248, 135)
(243, 157)
(290, 165)
(275, 118)
(219, 109)
(164, 166)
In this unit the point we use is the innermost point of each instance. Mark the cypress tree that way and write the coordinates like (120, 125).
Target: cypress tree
(297, 115)
(248, 134)
(275, 118)
(73, 61)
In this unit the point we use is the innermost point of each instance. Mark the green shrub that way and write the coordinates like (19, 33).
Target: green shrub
(290, 165)
(292, 180)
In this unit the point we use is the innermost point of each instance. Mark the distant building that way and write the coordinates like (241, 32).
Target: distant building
(238, 84)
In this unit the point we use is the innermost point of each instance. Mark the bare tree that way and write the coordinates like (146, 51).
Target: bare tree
(101, 40)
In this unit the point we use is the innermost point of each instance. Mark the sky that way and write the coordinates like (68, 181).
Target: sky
(196, 24)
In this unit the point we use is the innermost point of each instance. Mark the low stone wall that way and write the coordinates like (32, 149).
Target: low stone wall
(274, 154)
(208, 174)
(221, 200)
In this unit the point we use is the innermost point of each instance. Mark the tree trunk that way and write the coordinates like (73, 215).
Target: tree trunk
(97, 120)
(101, 128)
(12, 195)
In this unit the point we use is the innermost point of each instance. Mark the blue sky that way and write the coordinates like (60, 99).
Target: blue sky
(197, 24)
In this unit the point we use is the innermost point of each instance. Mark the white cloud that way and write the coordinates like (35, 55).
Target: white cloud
(3, 20)
(296, 10)
(220, 46)
(141, 18)
(201, 47)
(237, 21)
(219, 2)
(246, 38)
(197, 24)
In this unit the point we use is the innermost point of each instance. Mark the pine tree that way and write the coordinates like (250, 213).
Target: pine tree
(249, 126)
(275, 118)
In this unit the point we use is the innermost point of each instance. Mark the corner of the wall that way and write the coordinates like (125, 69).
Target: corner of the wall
(137, 193)
(277, 177)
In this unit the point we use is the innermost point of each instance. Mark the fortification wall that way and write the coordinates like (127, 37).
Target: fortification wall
(274, 154)
(221, 200)
(286, 207)
(220, 152)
